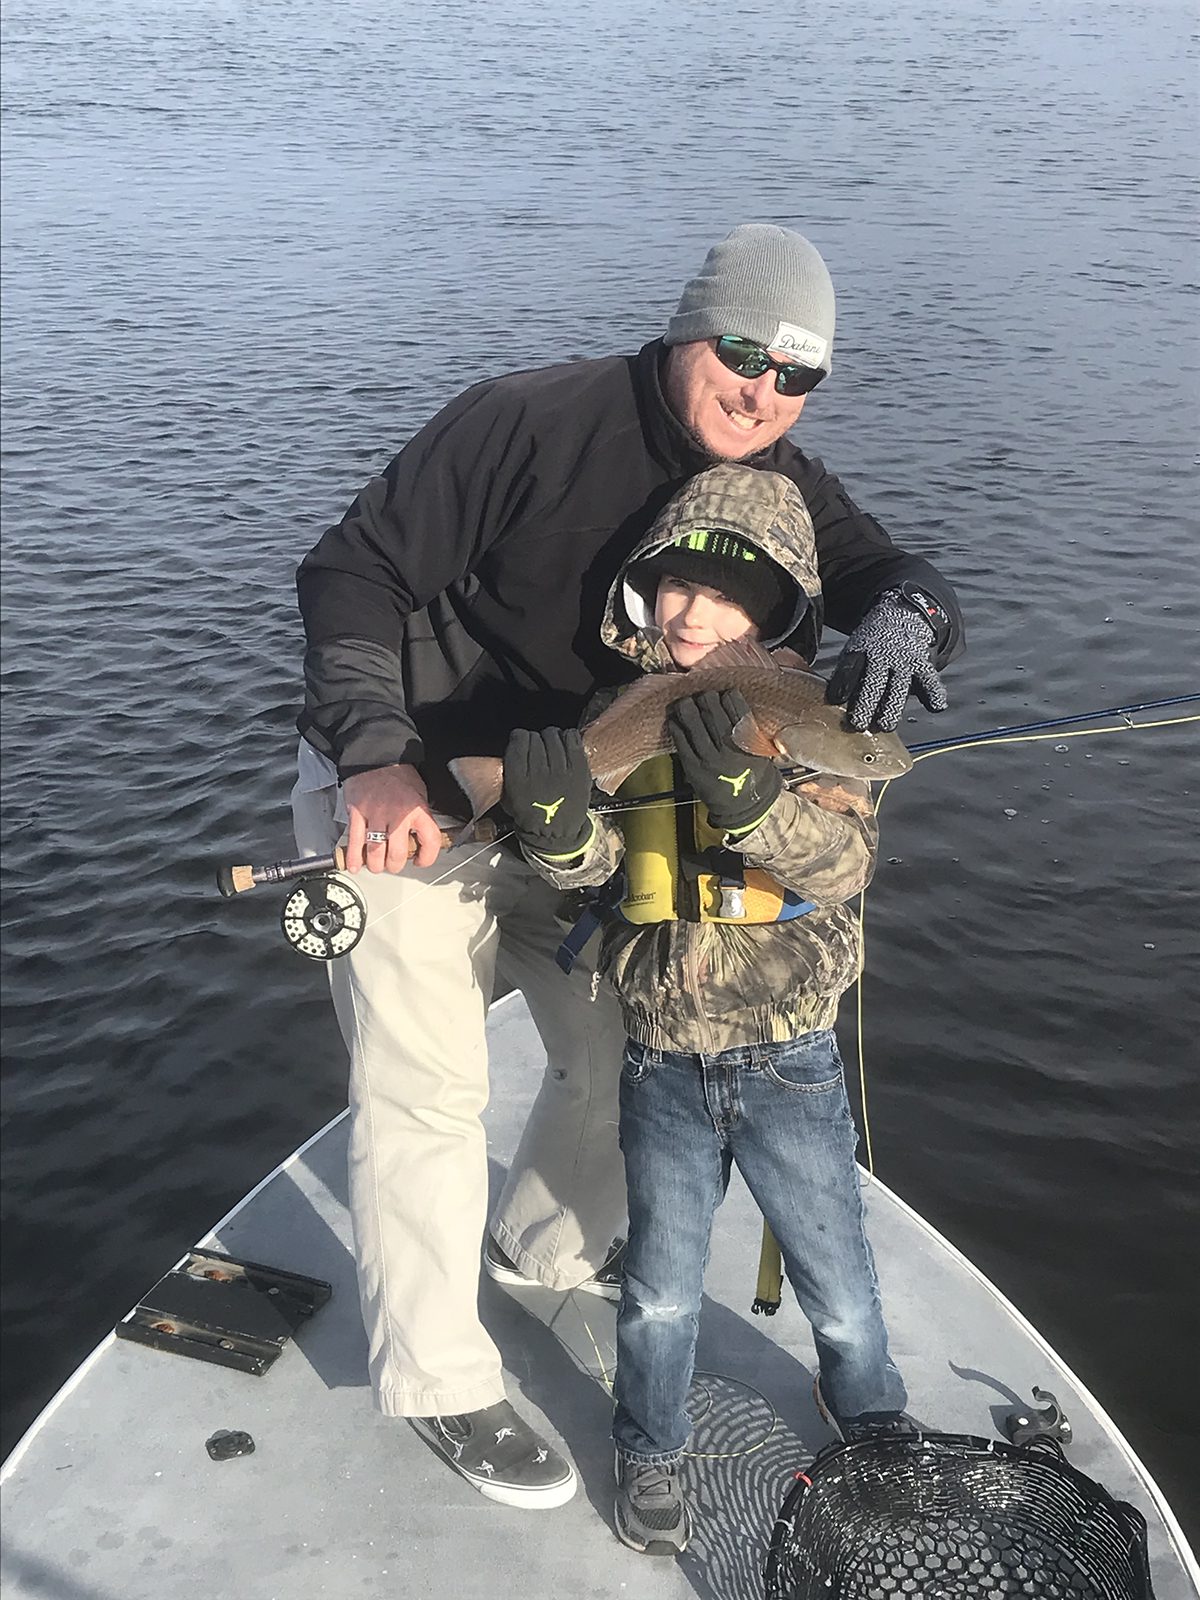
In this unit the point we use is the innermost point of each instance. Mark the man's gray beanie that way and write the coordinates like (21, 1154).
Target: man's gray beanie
(762, 283)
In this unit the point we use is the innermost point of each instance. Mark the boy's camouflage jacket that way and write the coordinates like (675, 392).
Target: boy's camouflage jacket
(691, 986)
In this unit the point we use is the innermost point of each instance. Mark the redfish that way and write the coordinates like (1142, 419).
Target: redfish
(789, 720)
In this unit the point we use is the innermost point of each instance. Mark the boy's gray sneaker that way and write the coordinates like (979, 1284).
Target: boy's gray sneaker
(501, 1456)
(605, 1282)
(651, 1514)
(871, 1425)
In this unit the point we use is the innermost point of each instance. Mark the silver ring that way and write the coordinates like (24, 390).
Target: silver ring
(375, 837)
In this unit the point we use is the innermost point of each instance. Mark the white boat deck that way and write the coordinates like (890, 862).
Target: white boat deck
(112, 1496)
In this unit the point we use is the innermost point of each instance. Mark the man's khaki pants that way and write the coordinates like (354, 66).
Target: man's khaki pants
(411, 1001)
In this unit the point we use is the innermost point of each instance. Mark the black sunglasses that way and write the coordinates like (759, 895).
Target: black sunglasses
(750, 360)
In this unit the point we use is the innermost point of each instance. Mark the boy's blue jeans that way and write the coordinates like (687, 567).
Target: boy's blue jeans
(780, 1112)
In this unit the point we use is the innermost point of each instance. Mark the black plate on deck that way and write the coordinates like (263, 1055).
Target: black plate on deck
(217, 1308)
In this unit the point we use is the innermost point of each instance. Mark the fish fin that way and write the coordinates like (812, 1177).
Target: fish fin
(481, 779)
(648, 687)
(611, 781)
(832, 795)
(813, 677)
(791, 660)
(613, 721)
(748, 735)
(740, 653)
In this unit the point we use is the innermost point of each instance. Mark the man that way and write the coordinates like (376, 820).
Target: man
(459, 598)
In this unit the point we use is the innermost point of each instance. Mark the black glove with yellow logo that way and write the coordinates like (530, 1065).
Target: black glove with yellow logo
(547, 787)
(738, 789)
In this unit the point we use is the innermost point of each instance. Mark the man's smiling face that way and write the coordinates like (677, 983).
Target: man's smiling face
(729, 416)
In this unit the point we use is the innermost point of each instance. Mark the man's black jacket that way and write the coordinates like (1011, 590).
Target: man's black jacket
(461, 595)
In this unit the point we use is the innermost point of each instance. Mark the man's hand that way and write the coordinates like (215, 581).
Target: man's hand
(888, 657)
(737, 789)
(547, 787)
(391, 801)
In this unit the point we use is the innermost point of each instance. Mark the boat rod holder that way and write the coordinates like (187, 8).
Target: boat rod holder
(1025, 1425)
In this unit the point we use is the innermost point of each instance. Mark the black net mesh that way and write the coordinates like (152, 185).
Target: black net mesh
(949, 1517)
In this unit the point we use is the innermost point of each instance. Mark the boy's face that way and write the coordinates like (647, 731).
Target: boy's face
(695, 619)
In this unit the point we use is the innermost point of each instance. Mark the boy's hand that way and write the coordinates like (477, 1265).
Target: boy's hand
(738, 789)
(547, 786)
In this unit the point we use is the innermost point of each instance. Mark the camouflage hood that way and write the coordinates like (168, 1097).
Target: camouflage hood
(764, 508)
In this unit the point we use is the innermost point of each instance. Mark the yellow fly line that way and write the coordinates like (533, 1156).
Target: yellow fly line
(769, 1288)
(974, 744)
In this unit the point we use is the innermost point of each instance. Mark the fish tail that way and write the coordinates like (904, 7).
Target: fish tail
(481, 779)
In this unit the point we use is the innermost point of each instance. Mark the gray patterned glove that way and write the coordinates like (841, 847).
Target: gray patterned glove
(888, 657)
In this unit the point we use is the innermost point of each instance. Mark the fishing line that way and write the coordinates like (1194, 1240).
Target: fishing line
(970, 741)
(1062, 722)
(604, 1379)
(960, 742)
(1027, 733)
(647, 804)
(492, 844)
(1016, 734)
(1021, 733)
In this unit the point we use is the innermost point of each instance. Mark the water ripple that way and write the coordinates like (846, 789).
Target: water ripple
(237, 276)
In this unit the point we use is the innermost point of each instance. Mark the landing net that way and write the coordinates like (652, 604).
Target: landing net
(951, 1517)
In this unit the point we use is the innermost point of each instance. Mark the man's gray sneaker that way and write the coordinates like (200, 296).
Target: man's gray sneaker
(606, 1282)
(501, 1455)
(651, 1513)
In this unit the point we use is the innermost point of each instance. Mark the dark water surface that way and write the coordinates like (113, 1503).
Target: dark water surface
(249, 249)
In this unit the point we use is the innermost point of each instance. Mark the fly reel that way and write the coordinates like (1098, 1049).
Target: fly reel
(323, 918)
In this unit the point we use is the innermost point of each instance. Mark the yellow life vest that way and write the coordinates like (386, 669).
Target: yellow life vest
(657, 841)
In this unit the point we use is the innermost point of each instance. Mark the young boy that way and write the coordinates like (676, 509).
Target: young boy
(728, 958)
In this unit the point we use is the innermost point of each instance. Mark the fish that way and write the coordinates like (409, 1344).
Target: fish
(789, 719)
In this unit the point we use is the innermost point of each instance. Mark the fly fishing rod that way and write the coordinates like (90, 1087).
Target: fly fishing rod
(1124, 712)
(614, 807)
(324, 917)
